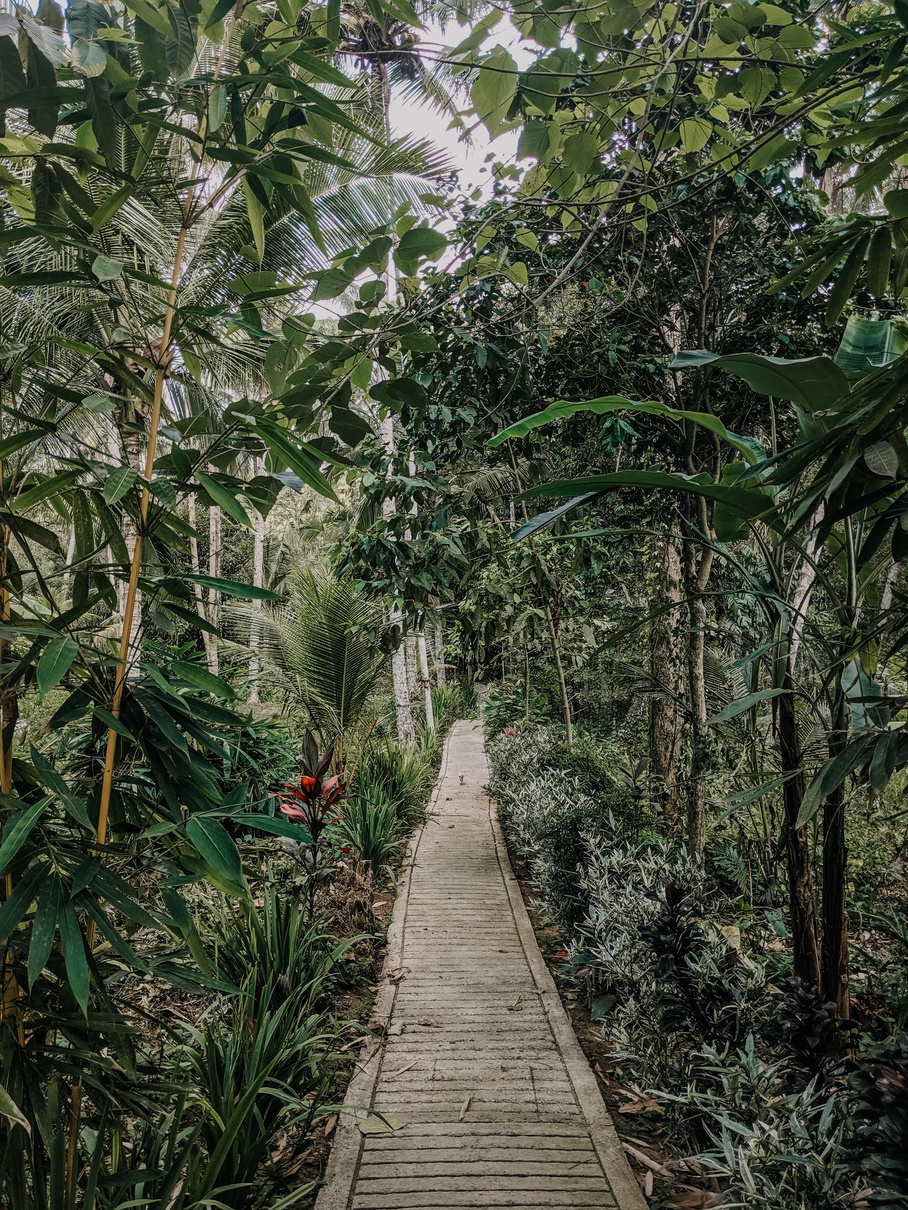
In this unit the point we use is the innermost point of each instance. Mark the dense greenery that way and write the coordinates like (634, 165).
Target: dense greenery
(277, 408)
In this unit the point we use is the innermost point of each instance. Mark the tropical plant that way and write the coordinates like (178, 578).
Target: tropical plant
(372, 828)
(321, 645)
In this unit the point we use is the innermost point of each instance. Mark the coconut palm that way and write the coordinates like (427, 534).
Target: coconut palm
(319, 647)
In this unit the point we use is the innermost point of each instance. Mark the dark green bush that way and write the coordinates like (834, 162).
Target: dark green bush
(585, 762)
(562, 849)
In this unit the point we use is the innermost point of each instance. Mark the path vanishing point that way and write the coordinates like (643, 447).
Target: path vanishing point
(479, 1061)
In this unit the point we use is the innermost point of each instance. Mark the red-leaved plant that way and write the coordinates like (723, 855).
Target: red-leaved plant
(312, 803)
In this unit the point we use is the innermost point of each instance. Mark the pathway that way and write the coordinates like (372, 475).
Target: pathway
(480, 1061)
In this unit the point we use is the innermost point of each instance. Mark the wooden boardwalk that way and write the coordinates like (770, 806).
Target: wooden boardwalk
(479, 1061)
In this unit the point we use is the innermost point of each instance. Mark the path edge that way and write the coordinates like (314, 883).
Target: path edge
(603, 1134)
(343, 1163)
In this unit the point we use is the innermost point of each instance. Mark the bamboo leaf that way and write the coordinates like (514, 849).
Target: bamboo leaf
(202, 679)
(44, 928)
(733, 709)
(56, 660)
(13, 1114)
(74, 956)
(19, 829)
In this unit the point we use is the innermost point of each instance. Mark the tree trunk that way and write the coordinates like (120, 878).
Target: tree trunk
(438, 663)
(666, 720)
(258, 580)
(800, 883)
(207, 639)
(132, 448)
(834, 967)
(424, 665)
(406, 728)
(696, 577)
(214, 569)
(562, 684)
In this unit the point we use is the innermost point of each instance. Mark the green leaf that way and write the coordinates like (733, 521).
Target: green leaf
(830, 777)
(17, 442)
(542, 520)
(331, 283)
(10, 1110)
(220, 854)
(44, 929)
(845, 281)
(695, 134)
(74, 956)
(580, 151)
(224, 498)
(733, 709)
(297, 457)
(879, 262)
(18, 830)
(417, 244)
(232, 588)
(493, 89)
(256, 213)
(106, 269)
(882, 459)
(812, 382)
(202, 679)
(217, 108)
(56, 660)
(88, 58)
(896, 202)
(277, 826)
(118, 483)
(109, 208)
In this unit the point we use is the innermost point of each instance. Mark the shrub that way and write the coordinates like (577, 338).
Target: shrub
(372, 828)
(775, 1150)
(396, 772)
(505, 704)
(879, 1120)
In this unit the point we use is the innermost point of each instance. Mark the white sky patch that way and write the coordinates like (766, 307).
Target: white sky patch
(470, 157)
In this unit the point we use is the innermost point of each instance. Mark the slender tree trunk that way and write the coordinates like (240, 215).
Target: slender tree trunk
(526, 682)
(666, 720)
(800, 882)
(406, 728)
(207, 639)
(424, 665)
(258, 579)
(132, 447)
(696, 576)
(214, 569)
(559, 670)
(438, 643)
(834, 966)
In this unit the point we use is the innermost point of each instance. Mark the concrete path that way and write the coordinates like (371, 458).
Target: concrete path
(479, 1061)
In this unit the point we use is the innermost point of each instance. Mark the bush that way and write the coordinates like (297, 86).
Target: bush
(372, 827)
(398, 773)
(879, 1119)
(505, 704)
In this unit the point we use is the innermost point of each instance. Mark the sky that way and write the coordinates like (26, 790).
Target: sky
(470, 158)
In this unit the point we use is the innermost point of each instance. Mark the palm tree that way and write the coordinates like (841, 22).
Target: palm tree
(319, 646)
